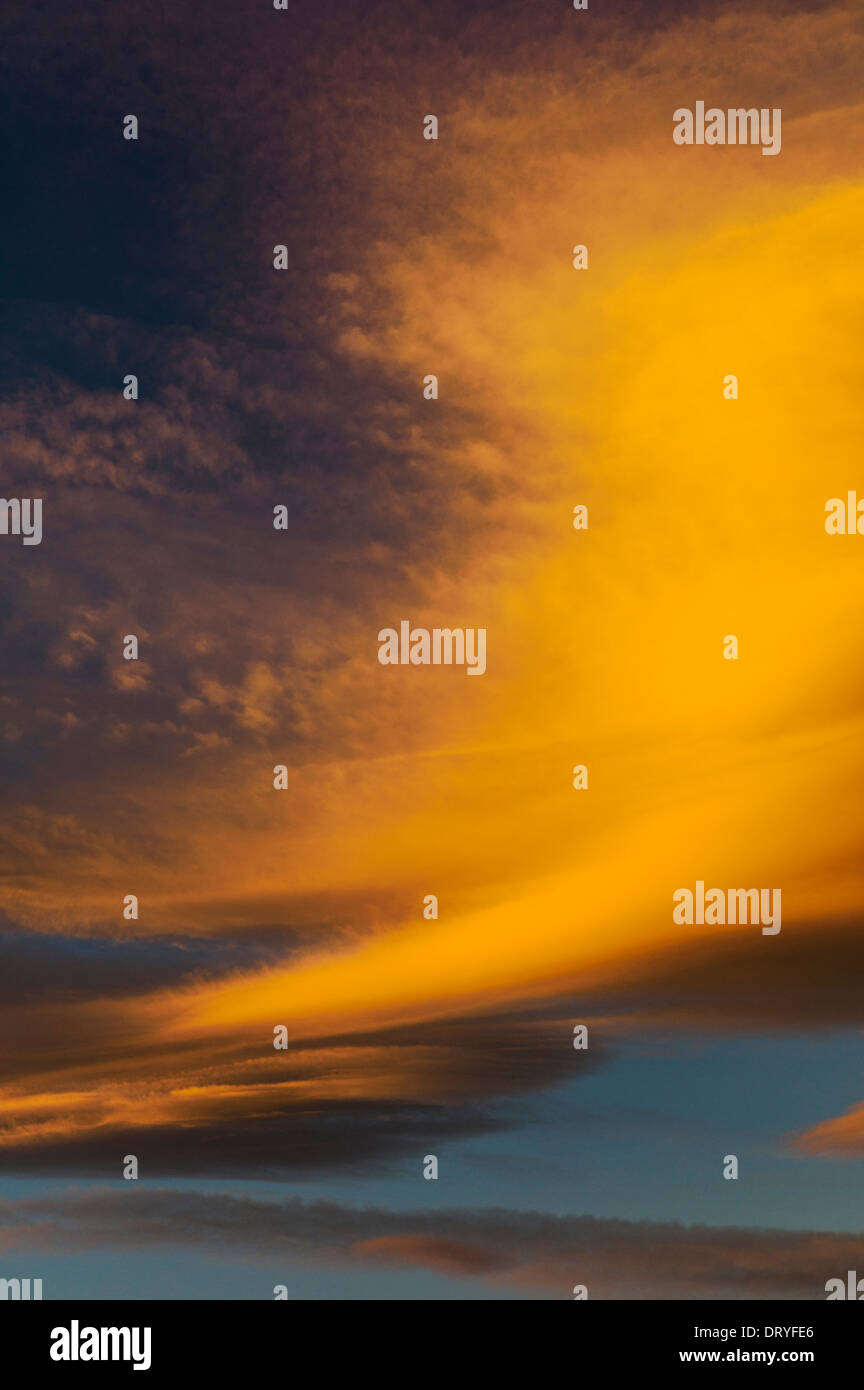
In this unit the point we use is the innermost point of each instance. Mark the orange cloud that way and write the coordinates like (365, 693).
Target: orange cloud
(841, 1137)
(558, 387)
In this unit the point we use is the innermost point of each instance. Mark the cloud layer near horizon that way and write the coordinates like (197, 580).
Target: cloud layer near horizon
(532, 1250)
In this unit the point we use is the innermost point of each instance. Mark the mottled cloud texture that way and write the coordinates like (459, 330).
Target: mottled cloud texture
(258, 647)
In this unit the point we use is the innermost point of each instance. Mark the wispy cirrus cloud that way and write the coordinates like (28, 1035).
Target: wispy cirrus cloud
(259, 648)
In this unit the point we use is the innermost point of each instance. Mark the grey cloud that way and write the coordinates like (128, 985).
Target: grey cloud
(532, 1250)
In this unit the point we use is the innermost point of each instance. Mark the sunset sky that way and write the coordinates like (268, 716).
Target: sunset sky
(258, 647)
